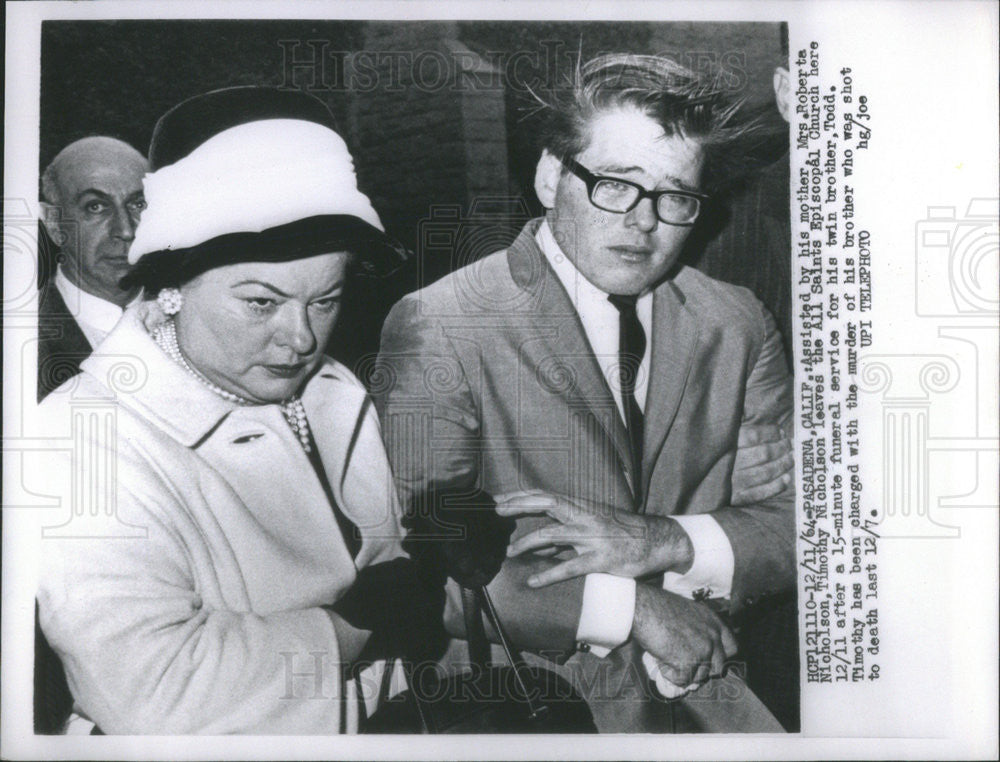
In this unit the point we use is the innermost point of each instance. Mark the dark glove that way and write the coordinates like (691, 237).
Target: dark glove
(461, 535)
(402, 607)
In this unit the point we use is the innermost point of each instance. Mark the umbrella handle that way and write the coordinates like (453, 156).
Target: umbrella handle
(536, 709)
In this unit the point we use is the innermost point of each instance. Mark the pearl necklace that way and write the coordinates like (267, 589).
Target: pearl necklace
(165, 336)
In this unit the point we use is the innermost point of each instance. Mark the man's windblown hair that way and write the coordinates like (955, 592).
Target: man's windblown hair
(698, 107)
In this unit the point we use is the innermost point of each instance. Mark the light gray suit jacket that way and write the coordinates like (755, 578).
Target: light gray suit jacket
(486, 380)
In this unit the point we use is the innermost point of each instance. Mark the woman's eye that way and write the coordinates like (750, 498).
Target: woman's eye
(327, 305)
(260, 303)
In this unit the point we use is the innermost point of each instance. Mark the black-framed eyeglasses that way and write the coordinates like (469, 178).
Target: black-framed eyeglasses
(612, 194)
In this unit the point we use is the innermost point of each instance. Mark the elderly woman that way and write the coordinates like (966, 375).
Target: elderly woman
(264, 545)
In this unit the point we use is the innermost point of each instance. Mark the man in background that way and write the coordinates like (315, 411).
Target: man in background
(91, 200)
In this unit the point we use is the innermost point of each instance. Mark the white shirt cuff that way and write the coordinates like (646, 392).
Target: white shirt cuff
(607, 612)
(711, 572)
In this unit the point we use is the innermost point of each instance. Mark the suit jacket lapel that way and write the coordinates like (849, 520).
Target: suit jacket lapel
(675, 336)
(557, 345)
(61, 343)
(52, 308)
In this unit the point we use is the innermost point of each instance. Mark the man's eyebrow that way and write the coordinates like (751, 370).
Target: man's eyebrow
(619, 169)
(93, 192)
(683, 185)
(136, 194)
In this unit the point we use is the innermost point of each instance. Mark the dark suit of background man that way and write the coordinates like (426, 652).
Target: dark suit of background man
(91, 199)
(597, 390)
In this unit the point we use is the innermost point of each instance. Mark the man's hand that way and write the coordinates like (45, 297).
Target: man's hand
(686, 637)
(605, 539)
(764, 464)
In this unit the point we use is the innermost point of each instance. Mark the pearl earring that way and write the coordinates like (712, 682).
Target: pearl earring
(170, 301)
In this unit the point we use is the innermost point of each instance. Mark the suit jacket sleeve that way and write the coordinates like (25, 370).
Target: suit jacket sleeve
(431, 424)
(763, 534)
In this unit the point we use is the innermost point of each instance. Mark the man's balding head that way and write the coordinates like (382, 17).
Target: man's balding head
(92, 200)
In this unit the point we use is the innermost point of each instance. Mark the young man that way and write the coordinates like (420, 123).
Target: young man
(597, 391)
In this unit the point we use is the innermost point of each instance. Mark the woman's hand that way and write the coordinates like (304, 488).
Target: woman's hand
(398, 605)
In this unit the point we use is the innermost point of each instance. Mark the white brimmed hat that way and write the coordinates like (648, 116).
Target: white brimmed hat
(251, 174)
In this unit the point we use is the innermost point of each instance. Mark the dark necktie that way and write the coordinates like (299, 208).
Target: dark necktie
(631, 348)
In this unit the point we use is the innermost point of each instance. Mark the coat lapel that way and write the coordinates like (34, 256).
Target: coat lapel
(276, 483)
(335, 411)
(556, 344)
(345, 428)
(675, 336)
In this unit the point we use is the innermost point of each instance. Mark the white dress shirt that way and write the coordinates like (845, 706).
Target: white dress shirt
(609, 601)
(95, 316)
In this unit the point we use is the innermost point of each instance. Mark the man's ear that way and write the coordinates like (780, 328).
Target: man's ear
(547, 175)
(782, 91)
(52, 219)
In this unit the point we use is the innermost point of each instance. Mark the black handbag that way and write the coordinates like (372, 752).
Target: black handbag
(487, 698)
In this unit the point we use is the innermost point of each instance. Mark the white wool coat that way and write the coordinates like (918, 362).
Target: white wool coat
(184, 594)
